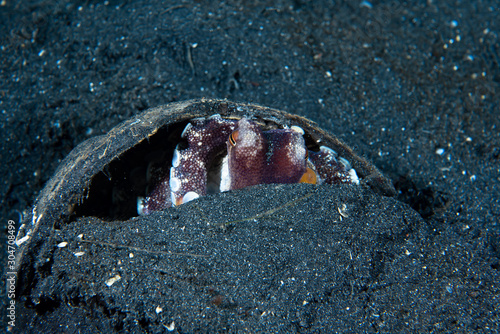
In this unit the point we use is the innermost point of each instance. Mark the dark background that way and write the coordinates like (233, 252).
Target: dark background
(413, 87)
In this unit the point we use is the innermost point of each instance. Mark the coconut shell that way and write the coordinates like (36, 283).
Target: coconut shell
(104, 175)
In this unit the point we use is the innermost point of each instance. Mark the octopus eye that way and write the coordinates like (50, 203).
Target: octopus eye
(233, 138)
(309, 177)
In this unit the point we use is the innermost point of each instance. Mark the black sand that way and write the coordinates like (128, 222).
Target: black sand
(414, 88)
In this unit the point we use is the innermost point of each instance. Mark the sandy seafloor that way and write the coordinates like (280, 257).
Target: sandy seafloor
(413, 87)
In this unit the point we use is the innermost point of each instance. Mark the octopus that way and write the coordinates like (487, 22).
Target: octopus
(220, 155)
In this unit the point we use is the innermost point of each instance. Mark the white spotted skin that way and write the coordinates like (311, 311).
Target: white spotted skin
(246, 155)
(252, 157)
(248, 140)
(296, 150)
(205, 138)
(330, 168)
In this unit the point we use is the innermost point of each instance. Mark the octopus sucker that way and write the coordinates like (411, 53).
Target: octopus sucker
(297, 129)
(186, 129)
(221, 154)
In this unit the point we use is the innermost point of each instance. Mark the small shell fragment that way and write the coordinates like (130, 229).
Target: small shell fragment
(113, 280)
(170, 327)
